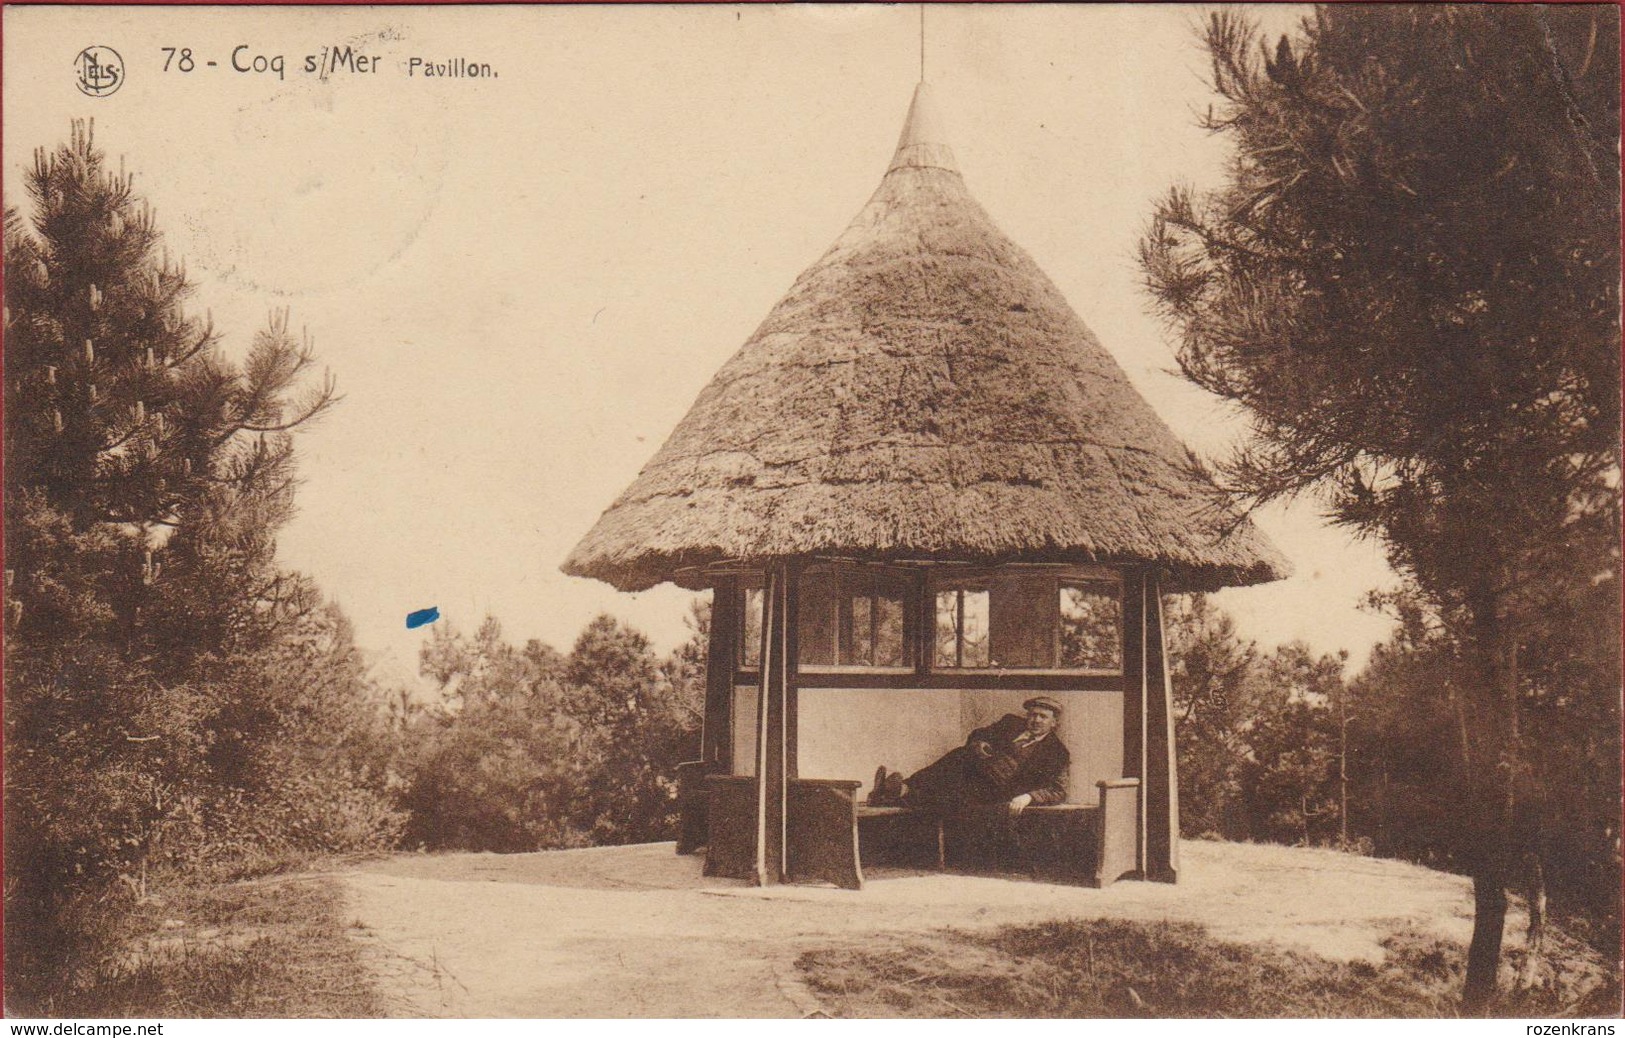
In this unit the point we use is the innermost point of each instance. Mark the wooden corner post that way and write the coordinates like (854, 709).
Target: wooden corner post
(1160, 784)
(775, 722)
(716, 740)
(1134, 702)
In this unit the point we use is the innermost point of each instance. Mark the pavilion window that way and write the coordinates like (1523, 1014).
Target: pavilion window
(1028, 620)
(1090, 633)
(852, 618)
(750, 631)
(962, 627)
(878, 629)
(848, 617)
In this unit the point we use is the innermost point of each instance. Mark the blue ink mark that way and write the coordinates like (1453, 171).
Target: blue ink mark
(420, 617)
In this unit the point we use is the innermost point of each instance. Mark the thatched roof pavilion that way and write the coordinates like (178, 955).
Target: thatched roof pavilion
(922, 391)
(923, 492)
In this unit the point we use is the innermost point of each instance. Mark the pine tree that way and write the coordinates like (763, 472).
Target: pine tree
(1411, 284)
(125, 422)
(636, 728)
(498, 764)
(146, 475)
(1217, 694)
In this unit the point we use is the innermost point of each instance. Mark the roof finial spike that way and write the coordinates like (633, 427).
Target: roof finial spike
(922, 43)
(923, 143)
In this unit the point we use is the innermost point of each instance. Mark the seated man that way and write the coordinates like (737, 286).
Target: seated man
(1014, 762)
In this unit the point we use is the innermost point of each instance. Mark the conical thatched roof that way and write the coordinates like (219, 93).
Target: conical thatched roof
(922, 392)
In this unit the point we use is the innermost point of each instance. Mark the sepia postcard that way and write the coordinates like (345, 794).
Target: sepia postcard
(812, 511)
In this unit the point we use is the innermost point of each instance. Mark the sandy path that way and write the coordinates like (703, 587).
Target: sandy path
(637, 932)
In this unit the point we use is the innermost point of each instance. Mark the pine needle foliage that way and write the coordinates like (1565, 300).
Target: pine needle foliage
(175, 701)
(1409, 284)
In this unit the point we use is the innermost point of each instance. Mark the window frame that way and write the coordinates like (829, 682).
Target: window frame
(984, 579)
(1074, 580)
(743, 587)
(907, 582)
(920, 584)
(958, 588)
(844, 572)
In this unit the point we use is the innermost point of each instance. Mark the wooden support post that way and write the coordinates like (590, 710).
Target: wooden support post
(792, 659)
(775, 713)
(716, 740)
(694, 795)
(1134, 703)
(1161, 782)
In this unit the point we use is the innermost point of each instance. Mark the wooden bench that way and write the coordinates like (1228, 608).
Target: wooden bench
(693, 804)
(831, 834)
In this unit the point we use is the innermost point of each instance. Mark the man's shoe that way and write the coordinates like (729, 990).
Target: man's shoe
(894, 788)
(877, 792)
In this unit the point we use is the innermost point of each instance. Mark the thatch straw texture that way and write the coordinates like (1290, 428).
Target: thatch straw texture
(923, 392)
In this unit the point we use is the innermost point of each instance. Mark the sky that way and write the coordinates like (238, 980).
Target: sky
(521, 282)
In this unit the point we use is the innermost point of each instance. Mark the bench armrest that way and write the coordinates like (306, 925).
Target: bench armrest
(1119, 850)
(1122, 783)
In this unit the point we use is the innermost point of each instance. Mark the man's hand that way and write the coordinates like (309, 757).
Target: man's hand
(1017, 803)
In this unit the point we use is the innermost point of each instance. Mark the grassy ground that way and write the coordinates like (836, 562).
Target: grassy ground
(274, 948)
(1115, 968)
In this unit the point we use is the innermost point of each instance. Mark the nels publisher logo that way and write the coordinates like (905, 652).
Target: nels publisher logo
(100, 71)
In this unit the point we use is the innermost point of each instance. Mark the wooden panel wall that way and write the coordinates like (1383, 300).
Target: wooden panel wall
(847, 733)
(717, 742)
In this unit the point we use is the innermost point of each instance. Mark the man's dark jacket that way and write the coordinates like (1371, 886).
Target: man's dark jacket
(964, 778)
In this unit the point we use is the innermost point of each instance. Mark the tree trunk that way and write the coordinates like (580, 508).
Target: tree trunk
(1495, 769)
(1385, 846)
(1484, 953)
(1534, 885)
(1342, 771)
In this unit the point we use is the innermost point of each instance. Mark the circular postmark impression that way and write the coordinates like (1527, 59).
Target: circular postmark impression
(99, 71)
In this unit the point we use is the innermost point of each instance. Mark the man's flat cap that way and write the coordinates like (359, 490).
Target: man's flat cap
(1043, 703)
